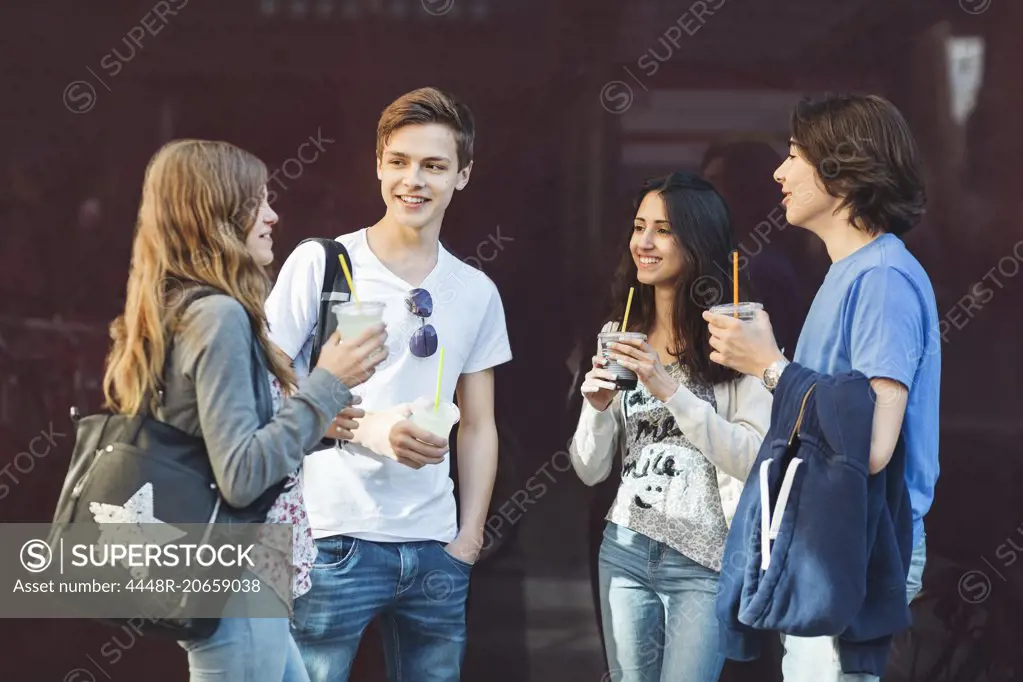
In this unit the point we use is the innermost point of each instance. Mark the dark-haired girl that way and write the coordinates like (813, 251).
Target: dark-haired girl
(689, 433)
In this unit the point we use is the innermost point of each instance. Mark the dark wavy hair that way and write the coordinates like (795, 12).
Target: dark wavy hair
(701, 226)
(864, 152)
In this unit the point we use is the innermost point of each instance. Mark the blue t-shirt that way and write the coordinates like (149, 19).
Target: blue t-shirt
(876, 313)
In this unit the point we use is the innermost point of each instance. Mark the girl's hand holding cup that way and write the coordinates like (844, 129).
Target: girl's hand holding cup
(599, 386)
(355, 360)
(641, 358)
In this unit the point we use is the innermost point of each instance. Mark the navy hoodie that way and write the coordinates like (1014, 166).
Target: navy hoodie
(841, 539)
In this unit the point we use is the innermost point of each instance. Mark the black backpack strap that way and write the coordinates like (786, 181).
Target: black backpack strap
(333, 290)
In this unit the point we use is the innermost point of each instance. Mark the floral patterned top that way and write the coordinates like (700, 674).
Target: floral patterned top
(289, 507)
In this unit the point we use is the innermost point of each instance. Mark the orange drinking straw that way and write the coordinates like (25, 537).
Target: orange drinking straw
(628, 306)
(735, 283)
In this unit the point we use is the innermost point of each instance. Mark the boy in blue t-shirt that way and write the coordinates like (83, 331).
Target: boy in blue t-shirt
(852, 177)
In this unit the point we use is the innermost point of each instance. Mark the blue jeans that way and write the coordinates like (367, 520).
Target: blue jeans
(417, 589)
(657, 608)
(815, 659)
(246, 650)
(915, 577)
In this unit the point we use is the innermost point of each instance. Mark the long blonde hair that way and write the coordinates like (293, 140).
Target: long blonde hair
(199, 202)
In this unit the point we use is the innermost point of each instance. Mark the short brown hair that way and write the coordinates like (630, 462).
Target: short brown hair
(429, 105)
(864, 152)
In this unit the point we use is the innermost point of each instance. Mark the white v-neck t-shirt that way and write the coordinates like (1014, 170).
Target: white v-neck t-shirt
(352, 490)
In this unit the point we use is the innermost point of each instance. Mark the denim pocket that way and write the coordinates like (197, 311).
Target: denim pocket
(457, 561)
(334, 552)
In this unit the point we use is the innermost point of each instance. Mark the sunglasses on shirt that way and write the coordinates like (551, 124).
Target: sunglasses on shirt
(423, 343)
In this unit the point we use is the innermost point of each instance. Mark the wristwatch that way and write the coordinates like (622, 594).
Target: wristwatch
(773, 374)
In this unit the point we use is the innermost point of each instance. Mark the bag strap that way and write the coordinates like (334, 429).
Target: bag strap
(334, 283)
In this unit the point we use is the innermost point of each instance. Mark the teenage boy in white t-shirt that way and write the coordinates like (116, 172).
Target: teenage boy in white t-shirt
(382, 506)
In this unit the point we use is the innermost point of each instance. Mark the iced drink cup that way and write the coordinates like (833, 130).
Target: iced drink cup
(747, 310)
(625, 379)
(438, 421)
(353, 318)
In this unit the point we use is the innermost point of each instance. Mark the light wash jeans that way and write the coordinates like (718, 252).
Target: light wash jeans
(246, 650)
(658, 613)
(815, 659)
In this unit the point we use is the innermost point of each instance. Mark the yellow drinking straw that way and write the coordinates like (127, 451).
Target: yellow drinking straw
(735, 283)
(440, 373)
(628, 306)
(348, 278)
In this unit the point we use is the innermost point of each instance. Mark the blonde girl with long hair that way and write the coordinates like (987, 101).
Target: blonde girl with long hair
(204, 221)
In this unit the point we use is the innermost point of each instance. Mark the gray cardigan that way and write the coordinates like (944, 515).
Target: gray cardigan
(217, 388)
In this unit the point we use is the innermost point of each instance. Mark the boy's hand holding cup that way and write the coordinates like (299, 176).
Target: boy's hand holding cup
(742, 338)
(392, 433)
